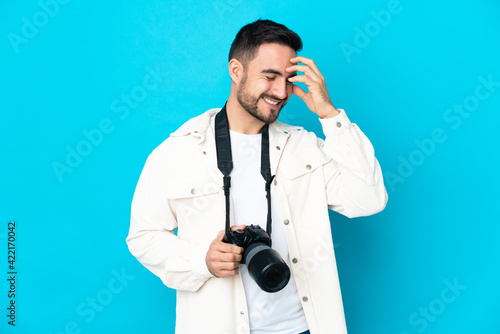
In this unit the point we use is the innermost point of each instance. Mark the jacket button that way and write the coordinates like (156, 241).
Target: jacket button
(204, 152)
(193, 191)
(242, 313)
(275, 182)
(308, 167)
(286, 222)
(295, 260)
(278, 148)
(305, 298)
(339, 124)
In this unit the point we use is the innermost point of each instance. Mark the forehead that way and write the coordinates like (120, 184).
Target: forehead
(271, 55)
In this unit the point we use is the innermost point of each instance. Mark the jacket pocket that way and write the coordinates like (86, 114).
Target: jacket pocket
(192, 194)
(187, 188)
(303, 163)
(303, 182)
(197, 206)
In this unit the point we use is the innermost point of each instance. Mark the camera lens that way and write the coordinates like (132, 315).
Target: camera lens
(266, 267)
(273, 276)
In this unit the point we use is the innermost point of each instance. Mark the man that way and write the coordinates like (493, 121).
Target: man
(181, 187)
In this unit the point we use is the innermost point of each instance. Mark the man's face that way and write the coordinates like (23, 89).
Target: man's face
(264, 89)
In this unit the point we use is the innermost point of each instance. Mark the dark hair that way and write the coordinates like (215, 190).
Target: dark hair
(250, 37)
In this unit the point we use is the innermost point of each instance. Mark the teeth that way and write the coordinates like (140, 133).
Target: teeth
(271, 102)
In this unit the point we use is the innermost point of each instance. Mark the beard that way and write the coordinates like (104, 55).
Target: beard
(251, 103)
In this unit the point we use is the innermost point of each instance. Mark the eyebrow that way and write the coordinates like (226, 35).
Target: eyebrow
(271, 71)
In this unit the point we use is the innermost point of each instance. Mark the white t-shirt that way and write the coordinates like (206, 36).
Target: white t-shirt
(279, 312)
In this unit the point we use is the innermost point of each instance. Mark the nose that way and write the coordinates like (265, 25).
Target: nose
(280, 89)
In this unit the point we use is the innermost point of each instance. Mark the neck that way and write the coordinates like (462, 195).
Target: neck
(240, 120)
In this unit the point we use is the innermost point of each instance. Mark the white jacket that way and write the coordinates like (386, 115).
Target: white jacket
(181, 188)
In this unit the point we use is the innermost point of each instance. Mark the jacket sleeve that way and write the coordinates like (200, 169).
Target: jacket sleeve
(151, 239)
(354, 182)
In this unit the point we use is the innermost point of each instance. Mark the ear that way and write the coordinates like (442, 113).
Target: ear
(236, 70)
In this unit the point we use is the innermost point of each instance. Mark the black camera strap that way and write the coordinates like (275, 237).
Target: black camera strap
(225, 163)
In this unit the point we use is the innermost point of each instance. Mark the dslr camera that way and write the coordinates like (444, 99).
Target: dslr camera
(264, 264)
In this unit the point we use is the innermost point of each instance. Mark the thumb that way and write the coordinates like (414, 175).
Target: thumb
(239, 227)
(299, 92)
(220, 235)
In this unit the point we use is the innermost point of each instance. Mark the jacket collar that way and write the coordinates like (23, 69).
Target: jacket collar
(199, 125)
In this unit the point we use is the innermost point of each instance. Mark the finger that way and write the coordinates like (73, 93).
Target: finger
(304, 69)
(230, 258)
(299, 92)
(237, 250)
(302, 78)
(240, 227)
(224, 265)
(215, 258)
(219, 243)
(220, 235)
(303, 60)
(226, 273)
(223, 247)
(308, 62)
(219, 257)
(218, 266)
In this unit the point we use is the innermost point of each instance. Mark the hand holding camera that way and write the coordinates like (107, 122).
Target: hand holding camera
(251, 246)
(265, 265)
(223, 259)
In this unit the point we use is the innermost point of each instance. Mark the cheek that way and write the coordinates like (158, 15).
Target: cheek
(263, 87)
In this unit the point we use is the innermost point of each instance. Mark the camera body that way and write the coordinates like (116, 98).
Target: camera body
(264, 264)
(244, 238)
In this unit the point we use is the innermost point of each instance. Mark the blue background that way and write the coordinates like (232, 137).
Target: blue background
(69, 74)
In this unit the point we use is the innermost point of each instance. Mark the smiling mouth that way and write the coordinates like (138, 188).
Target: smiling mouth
(272, 102)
